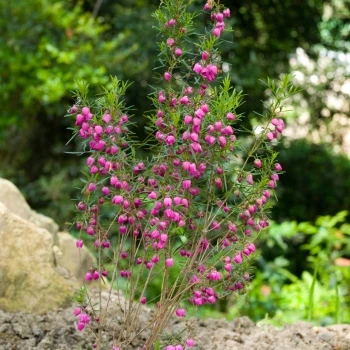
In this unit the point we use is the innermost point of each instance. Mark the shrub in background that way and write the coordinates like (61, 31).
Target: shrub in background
(318, 190)
(287, 297)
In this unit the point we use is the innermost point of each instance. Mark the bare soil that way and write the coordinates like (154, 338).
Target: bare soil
(56, 330)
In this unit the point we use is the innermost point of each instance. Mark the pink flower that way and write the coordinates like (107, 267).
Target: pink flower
(252, 247)
(170, 41)
(205, 108)
(171, 22)
(143, 300)
(186, 165)
(77, 311)
(194, 137)
(91, 187)
(85, 111)
(227, 13)
(114, 149)
(217, 126)
(270, 136)
(219, 17)
(188, 119)
(271, 184)
(190, 343)
(258, 163)
(196, 121)
(73, 109)
(196, 147)
(90, 161)
(177, 200)
(180, 313)
(280, 126)
(152, 195)
(80, 326)
(278, 167)
(205, 55)
(163, 237)
(197, 68)
(79, 119)
(220, 25)
(210, 139)
(170, 140)
(238, 258)
(117, 199)
(186, 184)
(216, 32)
(227, 130)
(107, 118)
(207, 7)
(218, 183)
(184, 100)
(222, 141)
(250, 180)
(188, 90)
(89, 276)
(79, 243)
(169, 262)
(105, 190)
(167, 76)
(212, 299)
(168, 201)
(275, 121)
(199, 113)
(178, 52)
(209, 72)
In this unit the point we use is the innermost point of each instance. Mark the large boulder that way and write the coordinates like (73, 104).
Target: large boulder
(46, 223)
(14, 201)
(76, 261)
(30, 280)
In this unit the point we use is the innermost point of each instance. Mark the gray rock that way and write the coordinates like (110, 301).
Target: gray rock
(28, 277)
(13, 199)
(76, 261)
(46, 223)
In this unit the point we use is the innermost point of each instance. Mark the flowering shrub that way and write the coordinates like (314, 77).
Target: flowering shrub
(197, 200)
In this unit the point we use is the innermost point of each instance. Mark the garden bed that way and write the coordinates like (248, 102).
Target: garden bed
(57, 331)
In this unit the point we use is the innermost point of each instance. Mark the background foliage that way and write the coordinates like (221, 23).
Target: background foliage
(48, 45)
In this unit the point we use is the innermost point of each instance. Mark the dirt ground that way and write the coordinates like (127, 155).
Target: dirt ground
(57, 331)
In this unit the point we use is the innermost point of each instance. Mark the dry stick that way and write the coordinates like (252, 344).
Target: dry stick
(166, 314)
(96, 8)
(161, 317)
(188, 267)
(176, 298)
(115, 269)
(133, 290)
(133, 308)
(116, 257)
(100, 294)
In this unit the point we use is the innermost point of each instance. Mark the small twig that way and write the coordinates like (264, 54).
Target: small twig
(96, 8)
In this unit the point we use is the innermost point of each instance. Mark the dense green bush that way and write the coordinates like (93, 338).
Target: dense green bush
(287, 297)
(316, 182)
(45, 47)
